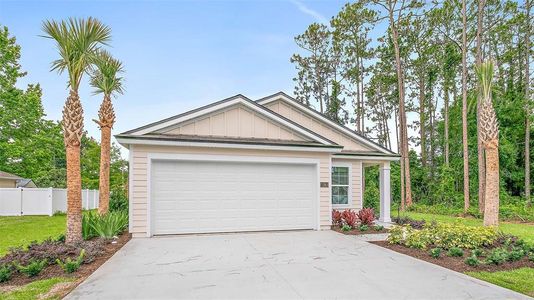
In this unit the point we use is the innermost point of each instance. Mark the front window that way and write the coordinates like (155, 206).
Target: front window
(340, 185)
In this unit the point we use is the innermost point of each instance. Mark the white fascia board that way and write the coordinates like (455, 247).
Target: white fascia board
(368, 157)
(237, 100)
(133, 141)
(322, 118)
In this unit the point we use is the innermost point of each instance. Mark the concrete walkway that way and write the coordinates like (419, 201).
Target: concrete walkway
(275, 265)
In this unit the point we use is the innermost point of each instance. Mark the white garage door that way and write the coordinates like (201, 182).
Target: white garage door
(207, 196)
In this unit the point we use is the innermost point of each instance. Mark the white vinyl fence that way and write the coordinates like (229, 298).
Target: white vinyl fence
(35, 201)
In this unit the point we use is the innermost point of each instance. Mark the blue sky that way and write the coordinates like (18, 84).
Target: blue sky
(178, 55)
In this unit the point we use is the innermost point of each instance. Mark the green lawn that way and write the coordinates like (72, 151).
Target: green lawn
(34, 289)
(520, 280)
(20, 231)
(523, 231)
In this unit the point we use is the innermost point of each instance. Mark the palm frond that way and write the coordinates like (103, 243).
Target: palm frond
(76, 40)
(105, 76)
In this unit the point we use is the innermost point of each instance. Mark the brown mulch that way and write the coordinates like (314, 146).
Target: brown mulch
(356, 231)
(455, 263)
(54, 270)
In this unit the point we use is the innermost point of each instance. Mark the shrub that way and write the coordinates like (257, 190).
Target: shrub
(477, 252)
(455, 252)
(106, 226)
(497, 256)
(515, 254)
(366, 216)
(379, 227)
(531, 256)
(336, 217)
(346, 227)
(118, 201)
(69, 265)
(349, 217)
(5, 273)
(409, 221)
(363, 227)
(445, 236)
(33, 268)
(472, 261)
(435, 252)
(398, 234)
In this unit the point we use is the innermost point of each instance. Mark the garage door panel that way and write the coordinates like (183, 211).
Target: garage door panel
(195, 196)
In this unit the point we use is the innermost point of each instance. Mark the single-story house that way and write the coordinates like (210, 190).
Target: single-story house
(243, 165)
(8, 180)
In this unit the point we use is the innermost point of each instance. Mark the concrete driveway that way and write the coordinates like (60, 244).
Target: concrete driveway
(275, 265)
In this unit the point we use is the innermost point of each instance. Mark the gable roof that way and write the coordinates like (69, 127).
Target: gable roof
(237, 99)
(353, 134)
(6, 175)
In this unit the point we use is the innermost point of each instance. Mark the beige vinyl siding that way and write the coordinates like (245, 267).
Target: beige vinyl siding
(300, 117)
(356, 182)
(8, 183)
(236, 122)
(140, 177)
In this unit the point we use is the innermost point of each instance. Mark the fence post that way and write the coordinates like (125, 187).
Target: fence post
(51, 201)
(20, 196)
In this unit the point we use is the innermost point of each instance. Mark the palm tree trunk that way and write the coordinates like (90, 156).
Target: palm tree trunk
(107, 119)
(480, 148)
(464, 107)
(72, 131)
(491, 209)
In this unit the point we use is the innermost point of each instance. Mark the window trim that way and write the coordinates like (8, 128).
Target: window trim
(349, 201)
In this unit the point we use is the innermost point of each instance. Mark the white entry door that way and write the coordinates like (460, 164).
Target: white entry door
(213, 196)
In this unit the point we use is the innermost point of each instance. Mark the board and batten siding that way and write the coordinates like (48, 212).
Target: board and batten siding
(235, 122)
(300, 117)
(139, 184)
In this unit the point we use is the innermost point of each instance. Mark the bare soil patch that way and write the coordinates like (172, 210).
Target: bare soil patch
(455, 263)
(104, 250)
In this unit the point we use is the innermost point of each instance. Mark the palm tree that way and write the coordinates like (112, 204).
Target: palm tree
(490, 142)
(76, 41)
(106, 81)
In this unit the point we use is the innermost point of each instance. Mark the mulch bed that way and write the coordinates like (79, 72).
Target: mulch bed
(87, 268)
(455, 263)
(356, 231)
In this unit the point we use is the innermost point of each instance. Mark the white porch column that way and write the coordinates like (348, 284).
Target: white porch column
(385, 192)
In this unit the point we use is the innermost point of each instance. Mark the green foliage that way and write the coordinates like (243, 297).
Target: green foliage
(513, 210)
(445, 236)
(435, 252)
(531, 256)
(69, 265)
(106, 226)
(363, 227)
(33, 268)
(497, 256)
(473, 261)
(477, 252)
(118, 200)
(378, 227)
(5, 273)
(346, 227)
(455, 252)
(516, 254)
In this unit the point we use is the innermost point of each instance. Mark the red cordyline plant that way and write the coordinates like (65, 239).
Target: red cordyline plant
(366, 216)
(336, 217)
(349, 217)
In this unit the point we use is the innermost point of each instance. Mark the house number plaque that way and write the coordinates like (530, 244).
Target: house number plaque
(324, 184)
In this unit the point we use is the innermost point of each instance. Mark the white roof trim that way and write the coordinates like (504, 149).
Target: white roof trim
(237, 100)
(141, 141)
(282, 96)
(367, 157)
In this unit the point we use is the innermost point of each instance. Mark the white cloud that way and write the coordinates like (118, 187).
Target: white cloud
(310, 12)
